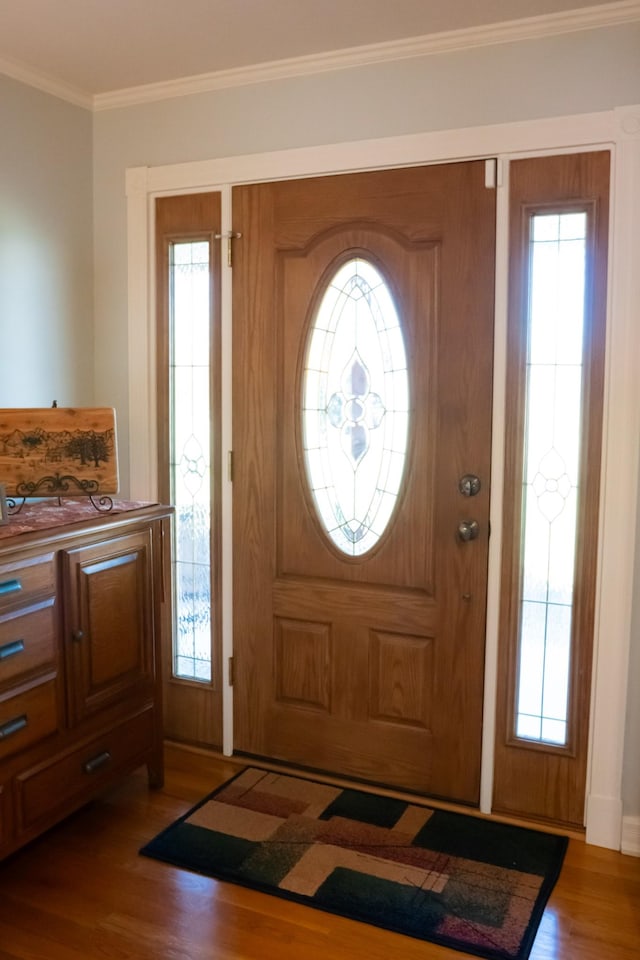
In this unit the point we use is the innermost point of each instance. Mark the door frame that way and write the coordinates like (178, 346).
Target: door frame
(617, 130)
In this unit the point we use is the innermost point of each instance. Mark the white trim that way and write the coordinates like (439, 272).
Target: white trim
(226, 440)
(631, 836)
(143, 481)
(529, 28)
(619, 496)
(578, 131)
(497, 485)
(620, 451)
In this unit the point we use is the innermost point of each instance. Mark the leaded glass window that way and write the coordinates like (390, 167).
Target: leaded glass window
(355, 407)
(551, 485)
(190, 458)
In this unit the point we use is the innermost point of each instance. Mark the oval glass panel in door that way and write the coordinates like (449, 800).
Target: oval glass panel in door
(355, 407)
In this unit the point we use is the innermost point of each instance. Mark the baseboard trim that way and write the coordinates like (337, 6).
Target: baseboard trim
(604, 821)
(631, 836)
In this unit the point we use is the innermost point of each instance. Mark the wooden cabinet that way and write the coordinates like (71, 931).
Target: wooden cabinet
(84, 604)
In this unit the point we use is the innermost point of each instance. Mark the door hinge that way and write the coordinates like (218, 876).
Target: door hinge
(230, 676)
(229, 236)
(230, 466)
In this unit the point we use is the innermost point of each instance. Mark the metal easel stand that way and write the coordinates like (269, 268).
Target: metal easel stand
(57, 485)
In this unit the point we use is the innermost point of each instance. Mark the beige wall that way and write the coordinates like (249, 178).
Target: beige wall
(46, 250)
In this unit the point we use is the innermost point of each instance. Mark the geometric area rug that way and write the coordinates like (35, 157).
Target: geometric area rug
(460, 881)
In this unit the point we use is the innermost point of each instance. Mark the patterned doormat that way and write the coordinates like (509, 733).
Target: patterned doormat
(460, 881)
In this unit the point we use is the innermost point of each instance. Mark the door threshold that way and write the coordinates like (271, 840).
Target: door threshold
(263, 763)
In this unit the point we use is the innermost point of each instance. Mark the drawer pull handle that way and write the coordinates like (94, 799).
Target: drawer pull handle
(10, 586)
(13, 726)
(77, 636)
(95, 764)
(10, 649)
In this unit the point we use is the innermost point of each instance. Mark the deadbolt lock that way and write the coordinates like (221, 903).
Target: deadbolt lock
(469, 485)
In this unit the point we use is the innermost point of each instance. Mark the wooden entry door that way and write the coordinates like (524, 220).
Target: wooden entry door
(369, 667)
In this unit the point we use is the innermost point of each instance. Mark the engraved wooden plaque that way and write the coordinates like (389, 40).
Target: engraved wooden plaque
(58, 451)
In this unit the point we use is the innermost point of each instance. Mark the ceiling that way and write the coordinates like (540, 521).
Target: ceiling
(95, 47)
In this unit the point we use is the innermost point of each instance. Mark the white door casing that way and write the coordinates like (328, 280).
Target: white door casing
(618, 130)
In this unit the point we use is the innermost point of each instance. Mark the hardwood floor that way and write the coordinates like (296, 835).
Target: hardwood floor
(81, 892)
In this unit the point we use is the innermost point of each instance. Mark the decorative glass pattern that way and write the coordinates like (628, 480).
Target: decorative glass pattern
(551, 472)
(190, 464)
(355, 407)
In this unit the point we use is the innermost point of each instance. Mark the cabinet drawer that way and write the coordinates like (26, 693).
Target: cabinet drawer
(27, 640)
(27, 716)
(23, 580)
(76, 775)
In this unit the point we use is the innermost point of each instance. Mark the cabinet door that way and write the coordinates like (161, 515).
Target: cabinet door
(109, 623)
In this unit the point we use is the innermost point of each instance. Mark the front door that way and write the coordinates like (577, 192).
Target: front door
(363, 346)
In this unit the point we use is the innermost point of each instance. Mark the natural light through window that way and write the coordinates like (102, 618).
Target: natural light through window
(355, 407)
(190, 461)
(551, 472)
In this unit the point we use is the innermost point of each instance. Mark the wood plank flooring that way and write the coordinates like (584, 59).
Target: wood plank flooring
(81, 892)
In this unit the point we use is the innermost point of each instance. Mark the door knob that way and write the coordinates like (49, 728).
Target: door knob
(468, 530)
(469, 485)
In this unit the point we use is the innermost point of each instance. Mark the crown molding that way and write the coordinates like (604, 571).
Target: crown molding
(46, 84)
(530, 28)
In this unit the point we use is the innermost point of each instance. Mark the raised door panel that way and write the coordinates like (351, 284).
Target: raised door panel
(109, 623)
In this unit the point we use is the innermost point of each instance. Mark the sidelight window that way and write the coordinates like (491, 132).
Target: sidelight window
(551, 471)
(189, 455)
